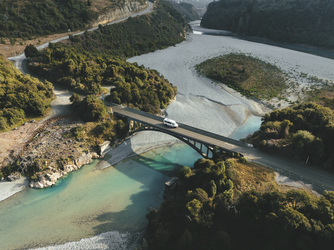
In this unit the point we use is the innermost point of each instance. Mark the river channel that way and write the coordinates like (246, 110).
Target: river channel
(89, 201)
(116, 199)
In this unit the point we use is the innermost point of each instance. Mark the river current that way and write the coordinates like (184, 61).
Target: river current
(89, 201)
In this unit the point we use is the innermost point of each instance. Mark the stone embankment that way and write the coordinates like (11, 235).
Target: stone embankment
(53, 153)
(51, 175)
(116, 13)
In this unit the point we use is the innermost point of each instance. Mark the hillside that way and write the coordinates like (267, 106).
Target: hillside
(293, 21)
(27, 19)
(187, 10)
(86, 62)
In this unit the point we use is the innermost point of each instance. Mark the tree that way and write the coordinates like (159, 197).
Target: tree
(194, 208)
(30, 51)
(75, 99)
(92, 109)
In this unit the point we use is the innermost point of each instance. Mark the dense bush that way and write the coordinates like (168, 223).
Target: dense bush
(90, 108)
(21, 96)
(162, 28)
(294, 21)
(89, 61)
(305, 131)
(133, 85)
(205, 214)
(24, 19)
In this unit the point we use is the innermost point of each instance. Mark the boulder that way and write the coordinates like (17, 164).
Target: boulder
(85, 158)
(13, 177)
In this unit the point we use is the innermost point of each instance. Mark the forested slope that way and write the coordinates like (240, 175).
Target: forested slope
(21, 96)
(97, 58)
(23, 19)
(294, 21)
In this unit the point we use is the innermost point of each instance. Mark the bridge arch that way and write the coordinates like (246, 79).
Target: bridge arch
(204, 149)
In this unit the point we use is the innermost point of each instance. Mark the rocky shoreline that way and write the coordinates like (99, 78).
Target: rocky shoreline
(51, 176)
(51, 154)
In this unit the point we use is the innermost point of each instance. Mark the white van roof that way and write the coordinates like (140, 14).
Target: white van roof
(169, 120)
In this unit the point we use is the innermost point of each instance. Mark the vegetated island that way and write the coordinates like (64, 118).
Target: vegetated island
(294, 21)
(250, 76)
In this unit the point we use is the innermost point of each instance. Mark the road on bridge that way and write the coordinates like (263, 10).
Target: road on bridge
(320, 179)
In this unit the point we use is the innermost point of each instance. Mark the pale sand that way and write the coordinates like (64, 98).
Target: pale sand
(7, 189)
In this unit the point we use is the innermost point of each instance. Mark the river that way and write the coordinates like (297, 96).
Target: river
(116, 199)
(89, 201)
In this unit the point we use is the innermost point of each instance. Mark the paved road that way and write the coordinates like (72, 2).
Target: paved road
(320, 179)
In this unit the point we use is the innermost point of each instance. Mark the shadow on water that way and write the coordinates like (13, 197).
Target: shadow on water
(160, 168)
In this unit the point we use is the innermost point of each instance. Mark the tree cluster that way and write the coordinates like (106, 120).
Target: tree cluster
(131, 84)
(305, 131)
(294, 21)
(24, 19)
(21, 96)
(90, 108)
(206, 214)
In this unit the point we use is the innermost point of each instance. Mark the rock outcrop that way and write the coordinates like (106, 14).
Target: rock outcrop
(128, 8)
(50, 177)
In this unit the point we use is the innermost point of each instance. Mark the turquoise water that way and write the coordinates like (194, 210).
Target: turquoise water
(252, 124)
(89, 201)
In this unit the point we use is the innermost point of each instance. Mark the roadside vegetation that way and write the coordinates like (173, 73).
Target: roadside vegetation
(22, 98)
(210, 211)
(293, 21)
(248, 75)
(305, 131)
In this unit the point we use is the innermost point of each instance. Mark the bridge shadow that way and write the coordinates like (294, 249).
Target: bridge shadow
(151, 171)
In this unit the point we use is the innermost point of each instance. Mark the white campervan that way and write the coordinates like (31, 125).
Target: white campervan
(170, 123)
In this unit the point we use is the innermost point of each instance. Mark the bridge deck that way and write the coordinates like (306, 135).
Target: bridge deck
(295, 168)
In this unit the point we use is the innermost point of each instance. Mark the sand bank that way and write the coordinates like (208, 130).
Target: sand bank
(7, 188)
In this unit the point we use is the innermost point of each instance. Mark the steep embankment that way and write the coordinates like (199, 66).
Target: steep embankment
(115, 13)
(296, 21)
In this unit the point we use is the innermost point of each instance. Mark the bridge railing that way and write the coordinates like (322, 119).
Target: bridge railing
(190, 128)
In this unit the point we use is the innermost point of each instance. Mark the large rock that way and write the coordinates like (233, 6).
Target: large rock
(129, 7)
(50, 177)
(13, 177)
(85, 158)
(103, 146)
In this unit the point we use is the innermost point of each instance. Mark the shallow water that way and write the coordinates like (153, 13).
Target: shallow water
(252, 124)
(88, 202)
